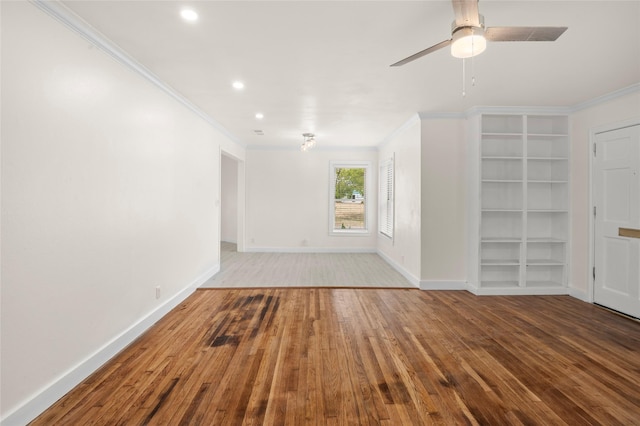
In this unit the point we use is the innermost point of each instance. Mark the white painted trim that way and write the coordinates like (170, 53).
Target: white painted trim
(443, 285)
(522, 291)
(72, 21)
(415, 281)
(518, 110)
(592, 237)
(393, 135)
(605, 98)
(580, 295)
(472, 287)
(46, 397)
(321, 148)
(533, 110)
(443, 115)
(634, 121)
(480, 109)
(310, 250)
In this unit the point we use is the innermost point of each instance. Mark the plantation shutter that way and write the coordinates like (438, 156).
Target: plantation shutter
(385, 197)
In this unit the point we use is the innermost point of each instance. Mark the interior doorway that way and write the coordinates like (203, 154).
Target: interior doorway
(616, 197)
(232, 200)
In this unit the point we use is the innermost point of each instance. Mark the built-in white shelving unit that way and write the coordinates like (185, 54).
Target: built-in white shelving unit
(524, 203)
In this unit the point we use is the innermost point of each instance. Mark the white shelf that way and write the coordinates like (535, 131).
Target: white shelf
(545, 240)
(546, 135)
(544, 262)
(502, 157)
(530, 158)
(503, 135)
(500, 240)
(547, 181)
(524, 202)
(498, 262)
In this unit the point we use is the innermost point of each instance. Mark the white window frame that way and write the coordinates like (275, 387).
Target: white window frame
(386, 197)
(368, 178)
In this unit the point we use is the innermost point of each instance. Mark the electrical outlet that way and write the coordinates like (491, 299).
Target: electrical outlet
(158, 292)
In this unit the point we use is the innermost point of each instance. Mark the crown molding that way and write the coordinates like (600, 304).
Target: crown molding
(69, 19)
(442, 115)
(324, 148)
(519, 110)
(606, 98)
(72, 21)
(415, 118)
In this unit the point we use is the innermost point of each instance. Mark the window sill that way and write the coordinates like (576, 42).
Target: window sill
(349, 233)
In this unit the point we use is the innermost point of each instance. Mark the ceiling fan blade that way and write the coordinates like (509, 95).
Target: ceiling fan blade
(422, 53)
(523, 33)
(466, 13)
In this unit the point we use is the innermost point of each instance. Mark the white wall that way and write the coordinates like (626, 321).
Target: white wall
(288, 201)
(404, 250)
(229, 200)
(444, 209)
(582, 122)
(109, 189)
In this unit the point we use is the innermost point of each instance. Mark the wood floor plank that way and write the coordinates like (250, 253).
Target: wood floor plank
(321, 356)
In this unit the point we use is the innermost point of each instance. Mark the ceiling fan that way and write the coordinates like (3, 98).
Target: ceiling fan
(469, 36)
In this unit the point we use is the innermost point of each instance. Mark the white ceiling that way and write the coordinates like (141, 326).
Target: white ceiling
(323, 66)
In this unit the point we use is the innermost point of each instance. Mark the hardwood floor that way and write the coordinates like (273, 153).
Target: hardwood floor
(303, 270)
(368, 356)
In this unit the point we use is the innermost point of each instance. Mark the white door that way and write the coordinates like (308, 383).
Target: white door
(616, 190)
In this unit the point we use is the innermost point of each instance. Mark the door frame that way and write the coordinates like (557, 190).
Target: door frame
(241, 199)
(592, 237)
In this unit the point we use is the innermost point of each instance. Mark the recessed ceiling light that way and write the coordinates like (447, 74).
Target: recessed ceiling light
(259, 116)
(238, 85)
(189, 15)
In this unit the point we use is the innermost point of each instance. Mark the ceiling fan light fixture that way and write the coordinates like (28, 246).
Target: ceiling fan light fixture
(309, 142)
(468, 42)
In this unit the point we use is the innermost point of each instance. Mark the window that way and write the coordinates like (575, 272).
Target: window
(348, 203)
(385, 198)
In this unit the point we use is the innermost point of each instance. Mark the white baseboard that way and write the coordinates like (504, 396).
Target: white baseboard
(580, 294)
(443, 285)
(521, 291)
(43, 399)
(411, 278)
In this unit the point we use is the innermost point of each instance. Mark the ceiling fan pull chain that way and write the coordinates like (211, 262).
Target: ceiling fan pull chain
(473, 73)
(464, 91)
(473, 69)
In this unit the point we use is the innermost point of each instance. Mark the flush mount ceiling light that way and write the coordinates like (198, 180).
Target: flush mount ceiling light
(238, 85)
(189, 15)
(309, 142)
(259, 115)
